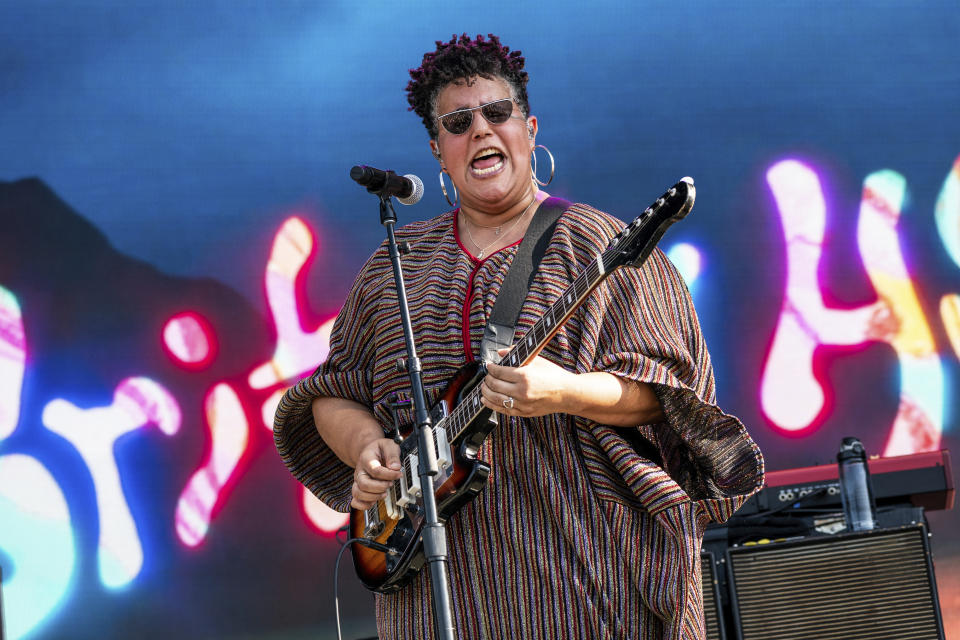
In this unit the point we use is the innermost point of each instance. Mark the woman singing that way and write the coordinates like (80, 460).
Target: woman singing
(610, 455)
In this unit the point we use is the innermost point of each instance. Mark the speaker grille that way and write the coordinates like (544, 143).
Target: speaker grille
(874, 585)
(711, 608)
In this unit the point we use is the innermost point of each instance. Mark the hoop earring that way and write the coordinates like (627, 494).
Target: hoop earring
(533, 155)
(443, 187)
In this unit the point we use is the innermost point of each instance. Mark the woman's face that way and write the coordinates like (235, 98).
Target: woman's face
(489, 163)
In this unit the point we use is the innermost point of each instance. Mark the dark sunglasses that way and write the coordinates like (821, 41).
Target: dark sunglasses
(459, 121)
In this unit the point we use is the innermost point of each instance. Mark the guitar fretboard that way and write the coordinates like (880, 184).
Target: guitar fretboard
(630, 245)
(543, 330)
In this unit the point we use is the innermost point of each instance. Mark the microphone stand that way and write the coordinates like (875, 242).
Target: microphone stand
(434, 531)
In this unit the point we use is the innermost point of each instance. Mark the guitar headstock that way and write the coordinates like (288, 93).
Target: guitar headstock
(637, 240)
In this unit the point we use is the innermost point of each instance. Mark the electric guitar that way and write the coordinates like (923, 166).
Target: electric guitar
(392, 552)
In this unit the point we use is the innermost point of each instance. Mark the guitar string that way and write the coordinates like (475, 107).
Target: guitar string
(458, 417)
(595, 273)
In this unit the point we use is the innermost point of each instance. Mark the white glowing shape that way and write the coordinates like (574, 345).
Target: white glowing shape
(323, 517)
(269, 408)
(947, 215)
(946, 212)
(13, 357)
(137, 402)
(187, 339)
(790, 395)
(296, 350)
(37, 537)
(688, 260)
(228, 437)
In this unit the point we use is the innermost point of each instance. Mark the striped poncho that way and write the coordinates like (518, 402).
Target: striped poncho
(579, 533)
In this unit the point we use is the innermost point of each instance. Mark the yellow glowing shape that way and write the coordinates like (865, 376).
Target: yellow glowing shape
(950, 314)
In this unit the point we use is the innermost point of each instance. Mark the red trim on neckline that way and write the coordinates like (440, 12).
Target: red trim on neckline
(468, 299)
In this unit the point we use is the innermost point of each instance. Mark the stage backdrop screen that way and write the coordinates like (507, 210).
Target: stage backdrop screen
(178, 230)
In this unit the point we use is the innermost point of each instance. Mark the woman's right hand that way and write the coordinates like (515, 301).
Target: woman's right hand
(378, 465)
(352, 431)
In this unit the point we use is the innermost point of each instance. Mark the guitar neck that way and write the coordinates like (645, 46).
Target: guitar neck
(537, 337)
(631, 246)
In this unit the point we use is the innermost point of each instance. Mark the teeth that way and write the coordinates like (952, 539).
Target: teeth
(483, 172)
(486, 152)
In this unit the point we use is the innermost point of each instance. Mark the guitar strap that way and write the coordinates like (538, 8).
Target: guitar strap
(500, 329)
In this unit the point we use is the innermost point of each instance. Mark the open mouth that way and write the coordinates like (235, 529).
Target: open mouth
(487, 161)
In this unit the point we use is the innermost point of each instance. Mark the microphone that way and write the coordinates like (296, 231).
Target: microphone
(408, 189)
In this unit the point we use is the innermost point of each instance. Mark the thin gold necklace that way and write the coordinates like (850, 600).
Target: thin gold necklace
(515, 223)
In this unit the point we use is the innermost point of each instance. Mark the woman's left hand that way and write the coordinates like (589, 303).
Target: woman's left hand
(535, 389)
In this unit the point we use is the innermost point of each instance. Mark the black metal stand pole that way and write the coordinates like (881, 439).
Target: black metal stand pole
(434, 532)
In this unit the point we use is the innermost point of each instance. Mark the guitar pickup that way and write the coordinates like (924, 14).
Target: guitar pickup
(409, 481)
(414, 485)
(444, 454)
(390, 502)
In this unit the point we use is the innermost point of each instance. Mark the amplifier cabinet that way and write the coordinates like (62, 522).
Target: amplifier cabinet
(874, 585)
(712, 607)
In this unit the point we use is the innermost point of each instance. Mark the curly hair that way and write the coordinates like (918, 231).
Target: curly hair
(464, 58)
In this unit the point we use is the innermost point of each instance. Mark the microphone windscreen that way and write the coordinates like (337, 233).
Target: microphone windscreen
(414, 197)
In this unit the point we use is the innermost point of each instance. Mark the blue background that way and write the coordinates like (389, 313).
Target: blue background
(187, 132)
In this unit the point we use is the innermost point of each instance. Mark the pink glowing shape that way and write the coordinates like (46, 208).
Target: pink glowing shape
(297, 351)
(790, 394)
(189, 340)
(13, 357)
(137, 402)
(228, 436)
(320, 515)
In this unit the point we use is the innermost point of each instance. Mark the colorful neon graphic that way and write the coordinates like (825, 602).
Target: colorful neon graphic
(189, 340)
(947, 216)
(946, 212)
(13, 357)
(689, 262)
(38, 537)
(320, 515)
(791, 396)
(950, 314)
(137, 402)
(297, 351)
(919, 421)
(228, 437)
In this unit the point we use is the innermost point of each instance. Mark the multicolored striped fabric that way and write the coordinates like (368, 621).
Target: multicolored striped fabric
(577, 535)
